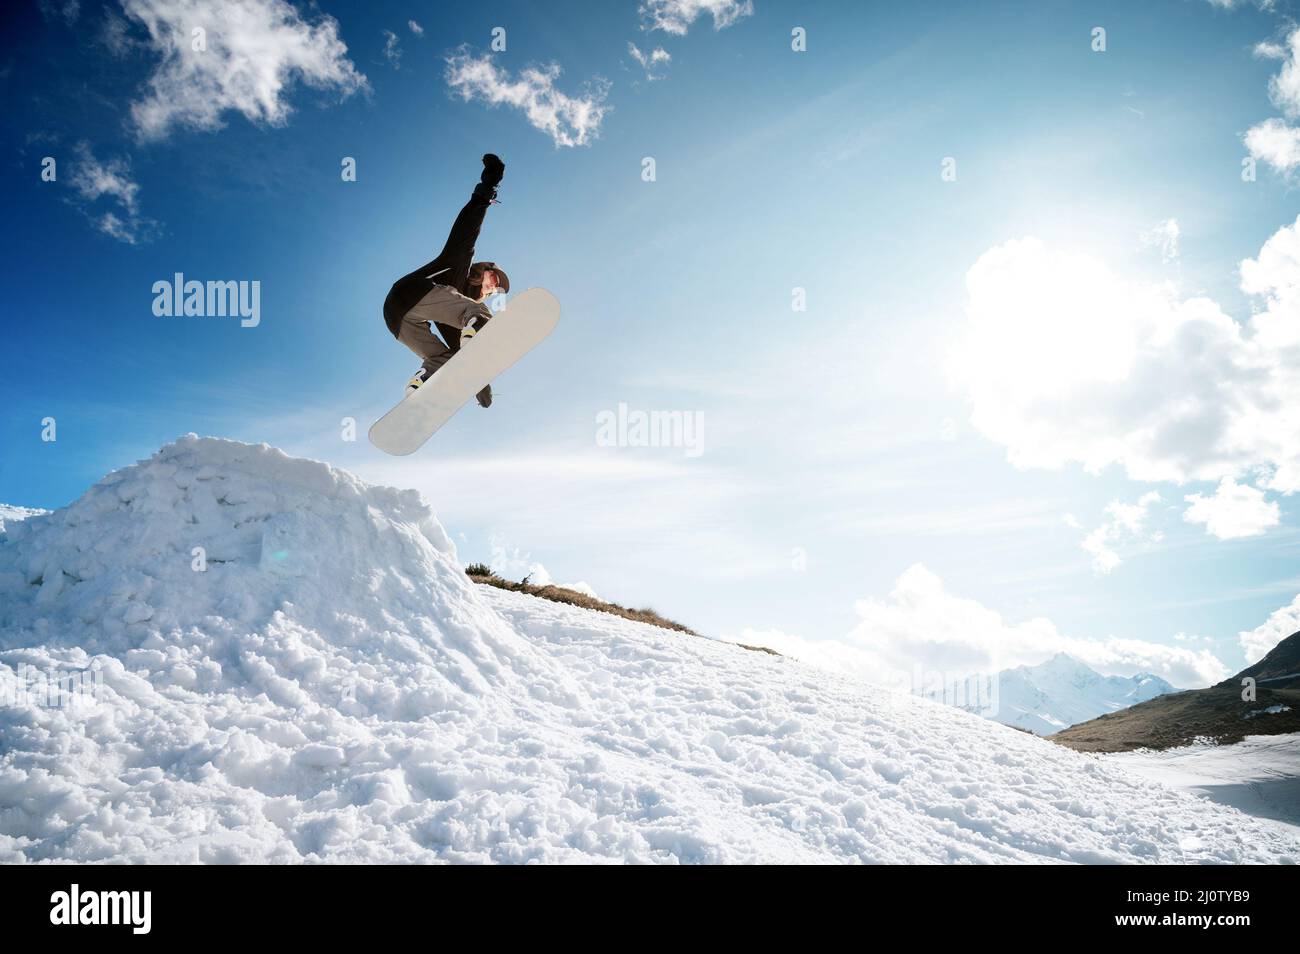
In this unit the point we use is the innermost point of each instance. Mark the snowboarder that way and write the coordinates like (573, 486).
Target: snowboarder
(448, 292)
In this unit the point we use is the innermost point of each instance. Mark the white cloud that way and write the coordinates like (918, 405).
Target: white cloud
(511, 563)
(1235, 510)
(676, 16)
(568, 120)
(392, 51)
(1125, 523)
(415, 28)
(1164, 237)
(1274, 141)
(538, 575)
(1269, 50)
(124, 230)
(94, 179)
(255, 51)
(65, 10)
(1275, 275)
(653, 62)
(922, 624)
(1130, 518)
(115, 34)
(110, 181)
(1284, 88)
(1257, 642)
(1065, 361)
(1233, 4)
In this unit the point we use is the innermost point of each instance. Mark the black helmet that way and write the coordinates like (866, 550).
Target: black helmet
(478, 268)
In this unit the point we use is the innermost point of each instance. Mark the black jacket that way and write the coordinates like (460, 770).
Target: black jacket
(451, 267)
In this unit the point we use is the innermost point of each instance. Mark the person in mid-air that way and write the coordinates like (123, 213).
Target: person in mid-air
(448, 292)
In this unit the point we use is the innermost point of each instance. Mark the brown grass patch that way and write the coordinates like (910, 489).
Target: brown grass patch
(559, 594)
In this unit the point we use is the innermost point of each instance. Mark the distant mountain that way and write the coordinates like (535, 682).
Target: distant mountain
(1217, 713)
(1064, 691)
(1280, 669)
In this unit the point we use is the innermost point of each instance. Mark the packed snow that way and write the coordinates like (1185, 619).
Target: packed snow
(280, 663)
(10, 514)
(1259, 775)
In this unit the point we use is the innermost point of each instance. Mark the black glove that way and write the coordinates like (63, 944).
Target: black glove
(493, 170)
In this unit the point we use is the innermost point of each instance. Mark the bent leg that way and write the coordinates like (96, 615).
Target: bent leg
(417, 335)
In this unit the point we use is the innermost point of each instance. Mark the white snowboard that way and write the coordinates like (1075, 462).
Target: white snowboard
(511, 334)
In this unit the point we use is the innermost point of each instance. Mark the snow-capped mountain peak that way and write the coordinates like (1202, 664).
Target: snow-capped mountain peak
(1064, 690)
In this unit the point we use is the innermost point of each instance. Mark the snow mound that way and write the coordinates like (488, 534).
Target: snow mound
(12, 515)
(288, 665)
(216, 561)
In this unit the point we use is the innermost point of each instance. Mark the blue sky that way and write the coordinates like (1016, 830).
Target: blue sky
(951, 454)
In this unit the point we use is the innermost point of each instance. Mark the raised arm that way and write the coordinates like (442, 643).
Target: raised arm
(457, 254)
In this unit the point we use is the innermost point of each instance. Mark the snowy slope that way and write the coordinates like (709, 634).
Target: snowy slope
(333, 688)
(10, 514)
(1260, 774)
(1063, 691)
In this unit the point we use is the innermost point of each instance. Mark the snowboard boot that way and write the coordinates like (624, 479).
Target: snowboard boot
(485, 396)
(413, 385)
